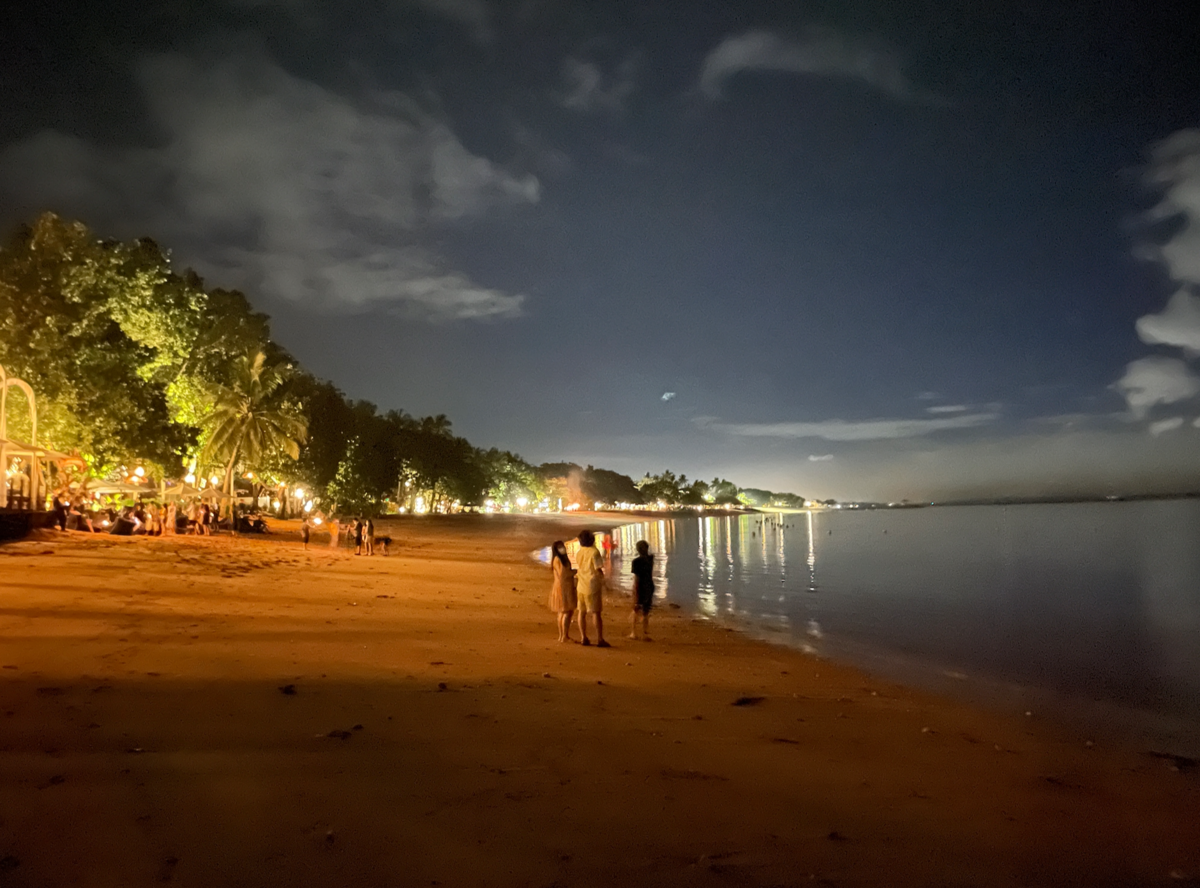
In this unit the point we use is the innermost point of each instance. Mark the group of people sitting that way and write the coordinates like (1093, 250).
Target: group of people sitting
(145, 519)
(78, 513)
(582, 588)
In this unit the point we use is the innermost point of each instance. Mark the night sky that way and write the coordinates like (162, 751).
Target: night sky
(852, 250)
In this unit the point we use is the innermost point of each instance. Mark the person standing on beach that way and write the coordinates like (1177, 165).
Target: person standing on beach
(305, 530)
(562, 589)
(369, 536)
(643, 589)
(335, 529)
(59, 516)
(590, 586)
(358, 535)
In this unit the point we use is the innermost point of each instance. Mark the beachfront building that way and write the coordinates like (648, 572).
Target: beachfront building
(24, 487)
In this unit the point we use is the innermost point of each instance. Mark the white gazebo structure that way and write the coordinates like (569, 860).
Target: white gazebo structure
(28, 491)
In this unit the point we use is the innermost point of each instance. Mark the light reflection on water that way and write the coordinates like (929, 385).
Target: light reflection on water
(1093, 603)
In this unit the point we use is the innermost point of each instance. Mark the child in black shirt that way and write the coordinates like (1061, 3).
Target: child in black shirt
(643, 589)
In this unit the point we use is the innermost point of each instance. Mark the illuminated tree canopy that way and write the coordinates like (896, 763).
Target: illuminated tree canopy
(135, 362)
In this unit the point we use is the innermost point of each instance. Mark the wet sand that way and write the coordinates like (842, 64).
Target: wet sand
(243, 712)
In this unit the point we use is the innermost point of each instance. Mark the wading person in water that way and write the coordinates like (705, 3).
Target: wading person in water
(589, 583)
(643, 589)
(562, 589)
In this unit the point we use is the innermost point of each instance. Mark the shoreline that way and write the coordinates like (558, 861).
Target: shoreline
(1105, 720)
(147, 726)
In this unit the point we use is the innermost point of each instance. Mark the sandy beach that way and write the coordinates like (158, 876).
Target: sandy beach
(223, 711)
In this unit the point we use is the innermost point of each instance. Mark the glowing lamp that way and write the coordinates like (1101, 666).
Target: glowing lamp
(274, 504)
(522, 502)
(214, 480)
(300, 493)
(190, 479)
(317, 521)
(140, 472)
(308, 506)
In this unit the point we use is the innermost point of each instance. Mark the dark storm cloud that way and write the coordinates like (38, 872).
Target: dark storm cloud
(285, 187)
(588, 87)
(820, 52)
(474, 16)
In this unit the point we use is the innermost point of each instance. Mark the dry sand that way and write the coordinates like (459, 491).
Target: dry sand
(438, 735)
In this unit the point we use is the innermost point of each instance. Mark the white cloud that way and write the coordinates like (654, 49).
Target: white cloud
(1178, 324)
(1166, 425)
(587, 88)
(948, 408)
(824, 457)
(277, 185)
(820, 52)
(1156, 380)
(1175, 168)
(870, 430)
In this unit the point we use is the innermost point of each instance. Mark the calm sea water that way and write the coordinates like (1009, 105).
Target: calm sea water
(1086, 612)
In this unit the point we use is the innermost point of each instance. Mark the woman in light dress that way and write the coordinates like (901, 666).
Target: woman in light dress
(562, 589)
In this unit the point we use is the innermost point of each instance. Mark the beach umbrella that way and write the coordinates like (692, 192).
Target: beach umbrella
(180, 490)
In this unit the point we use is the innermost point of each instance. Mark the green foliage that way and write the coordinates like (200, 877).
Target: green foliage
(249, 419)
(510, 478)
(133, 361)
(722, 492)
(60, 330)
(666, 487)
(350, 492)
(608, 487)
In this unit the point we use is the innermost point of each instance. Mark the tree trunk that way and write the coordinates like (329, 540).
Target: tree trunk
(229, 488)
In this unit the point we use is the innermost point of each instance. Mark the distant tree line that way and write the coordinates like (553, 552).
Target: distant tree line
(137, 364)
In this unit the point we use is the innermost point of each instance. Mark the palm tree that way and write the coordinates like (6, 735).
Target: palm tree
(248, 420)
